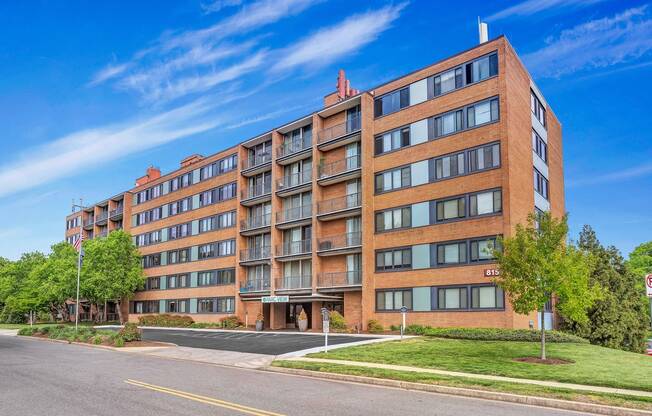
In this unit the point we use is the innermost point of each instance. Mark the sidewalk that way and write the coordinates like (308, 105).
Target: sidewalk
(570, 386)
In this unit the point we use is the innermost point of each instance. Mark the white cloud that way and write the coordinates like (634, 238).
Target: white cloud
(107, 73)
(218, 5)
(598, 43)
(263, 117)
(530, 7)
(634, 172)
(333, 42)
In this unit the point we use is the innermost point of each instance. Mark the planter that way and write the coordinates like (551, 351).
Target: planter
(303, 324)
(259, 325)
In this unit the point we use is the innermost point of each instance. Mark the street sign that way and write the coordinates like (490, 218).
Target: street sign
(326, 318)
(275, 299)
(404, 310)
(648, 285)
(326, 325)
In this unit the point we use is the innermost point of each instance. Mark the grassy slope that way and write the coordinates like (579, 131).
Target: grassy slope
(593, 365)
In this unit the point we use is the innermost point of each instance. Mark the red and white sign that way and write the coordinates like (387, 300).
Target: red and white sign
(491, 272)
(648, 284)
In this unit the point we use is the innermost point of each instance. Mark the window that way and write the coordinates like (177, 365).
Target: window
(153, 283)
(487, 297)
(145, 306)
(540, 184)
(484, 203)
(151, 260)
(452, 298)
(449, 123)
(394, 219)
(392, 102)
(206, 251)
(539, 146)
(451, 209)
(398, 259)
(226, 220)
(393, 179)
(179, 256)
(448, 81)
(482, 68)
(486, 157)
(180, 206)
(538, 109)
(179, 231)
(227, 191)
(177, 281)
(481, 113)
(177, 306)
(392, 140)
(481, 250)
(206, 198)
(449, 166)
(393, 300)
(451, 253)
(206, 278)
(225, 277)
(226, 248)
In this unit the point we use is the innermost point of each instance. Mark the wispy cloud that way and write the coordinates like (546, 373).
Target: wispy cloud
(530, 7)
(634, 172)
(263, 117)
(217, 5)
(599, 43)
(336, 41)
(107, 73)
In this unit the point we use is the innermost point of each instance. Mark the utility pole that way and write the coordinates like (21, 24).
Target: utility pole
(79, 258)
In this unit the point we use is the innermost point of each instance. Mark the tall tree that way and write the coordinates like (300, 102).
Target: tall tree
(640, 260)
(19, 291)
(619, 318)
(112, 269)
(536, 264)
(57, 277)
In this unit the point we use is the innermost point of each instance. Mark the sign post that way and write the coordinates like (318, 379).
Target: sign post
(648, 290)
(404, 310)
(325, 316)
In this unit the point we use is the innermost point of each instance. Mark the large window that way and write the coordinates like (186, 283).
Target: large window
(482, 250)
(449, 123)
(216, 305)
(216, 277)
(392, 102)
(393, 300)
(392, 140)
(151, 260)
(485, 157)
(484, 203)
(537, 108)
(448, 81)
(393, 179)
(452, 298)
(396, 259)
(539, 146)
(487, 297)
(178, 281)
(540, 184)
(482, 113)
(449, 166)
(482, 68)
(179, 231)
(177, 306)
(394, 219)
(451, 209)
(179, 256)
(451, 253)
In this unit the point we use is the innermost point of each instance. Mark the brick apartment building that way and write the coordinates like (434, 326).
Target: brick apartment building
(383, 198)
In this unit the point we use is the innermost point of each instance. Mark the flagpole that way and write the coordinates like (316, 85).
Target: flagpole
(81, 230)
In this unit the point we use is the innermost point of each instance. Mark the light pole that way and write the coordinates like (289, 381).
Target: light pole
(79, 257)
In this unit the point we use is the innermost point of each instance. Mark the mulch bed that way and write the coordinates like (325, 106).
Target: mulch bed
(547, 361)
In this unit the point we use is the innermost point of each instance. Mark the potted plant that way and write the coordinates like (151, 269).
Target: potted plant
(303, 321)
(260, 322)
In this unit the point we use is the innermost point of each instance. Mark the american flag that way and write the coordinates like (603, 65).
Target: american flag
(78, 242)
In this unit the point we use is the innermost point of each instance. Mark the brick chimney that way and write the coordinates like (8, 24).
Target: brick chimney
(151, 174)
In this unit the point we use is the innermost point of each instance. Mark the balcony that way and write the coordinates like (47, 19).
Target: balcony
(339, 171)
(102, 234)
(340, 134)
(340, 207)
(255, 255)
(101, 218)
(255, 286)
(88, 224)
(294, 217)
(294, 250)
(294, 183)
(259, 163)
(256, 194)
(116, 214)
(256, 225)
(294, 283)
(351, 280)
(335, 245)
(293, 150)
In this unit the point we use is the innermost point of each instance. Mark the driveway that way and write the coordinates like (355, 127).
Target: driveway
(247, 342)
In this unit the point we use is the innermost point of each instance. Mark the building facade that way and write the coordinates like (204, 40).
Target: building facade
(384, 198)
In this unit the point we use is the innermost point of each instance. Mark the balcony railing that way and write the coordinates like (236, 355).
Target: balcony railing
(337, 279)
(341, 241)
(295, 179)
(294, 282)
(339, 166)
(295, 145)
(293, 248)
(349, 126)
(257, 190)
(257, 285)
(293, 214)
(89, 221)
(115, 212)
(255, 253)
(102, 216)
(256, 222)
(257, 160)
(339, 204)
(102, 234)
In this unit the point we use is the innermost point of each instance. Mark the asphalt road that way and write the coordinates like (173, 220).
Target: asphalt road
(250, 342)
(46, 378)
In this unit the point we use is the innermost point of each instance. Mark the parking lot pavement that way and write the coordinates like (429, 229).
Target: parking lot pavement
(247, 342)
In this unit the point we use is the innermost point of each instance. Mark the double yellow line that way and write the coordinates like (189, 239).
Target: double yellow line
(203, 399)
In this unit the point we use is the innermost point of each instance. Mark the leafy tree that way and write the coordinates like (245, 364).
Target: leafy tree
(640, 260)
(536, 263)
(58, 279)
(18, 291)
(619, 319)
(112, 269)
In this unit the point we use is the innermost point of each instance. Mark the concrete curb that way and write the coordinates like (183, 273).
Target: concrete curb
(477, 394)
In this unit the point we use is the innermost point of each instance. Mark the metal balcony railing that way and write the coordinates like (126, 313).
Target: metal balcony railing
(295, 179)
(351, 125)
(338, 279)
(293, 214)
(102, 216)
(102, 234)
(116, 211)
(257, 160)
(295, 145)
(338, 204)
(89, 221)
(293, 248)
(340, 241)
(256, 191)
(255, 253)
(339, 166)
(256, 222)
(294, 282)
(255, 285)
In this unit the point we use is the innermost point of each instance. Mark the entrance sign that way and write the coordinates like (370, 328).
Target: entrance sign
(275, 299)
(325, 317)
(404, 310)
(648, 285)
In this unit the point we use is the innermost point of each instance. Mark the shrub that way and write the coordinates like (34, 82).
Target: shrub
(374, 326)
(498, 334)
(166, 320)
(209, 325)
(44, 330)
(231, 322)
(337, 322)
(118, 342)
(97, 339)
(131, 332)
(29, 331)
(416, 329)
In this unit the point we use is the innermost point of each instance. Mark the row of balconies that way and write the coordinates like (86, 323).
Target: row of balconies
(101, 218)
(303, 282)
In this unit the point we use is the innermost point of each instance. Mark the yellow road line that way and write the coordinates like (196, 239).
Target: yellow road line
(203, 399)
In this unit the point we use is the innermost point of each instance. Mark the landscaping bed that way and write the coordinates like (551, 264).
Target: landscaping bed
(129, 336)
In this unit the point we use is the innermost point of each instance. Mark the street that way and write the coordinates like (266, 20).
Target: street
(41, 377)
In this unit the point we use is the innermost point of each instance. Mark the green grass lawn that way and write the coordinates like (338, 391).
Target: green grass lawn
(592, 365)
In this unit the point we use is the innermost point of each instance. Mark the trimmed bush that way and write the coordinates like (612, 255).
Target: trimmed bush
(118, 342)
(231, 322)
(131, 332)
(374, 327)
(337, 322)
(27, 331)
(206, 325)
(498, 334)
(97, 339)
(166, 320)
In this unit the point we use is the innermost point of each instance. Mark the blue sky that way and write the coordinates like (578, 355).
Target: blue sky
(91, 93)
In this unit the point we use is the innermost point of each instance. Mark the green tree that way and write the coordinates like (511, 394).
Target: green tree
(19, 291)
(536, 264)
(640, 260)
(112, 269)
(619, 318)
(58, 279)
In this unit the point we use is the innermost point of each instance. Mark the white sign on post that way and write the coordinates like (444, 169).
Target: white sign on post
(404, 310)
(648, 285)
(325, 317)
